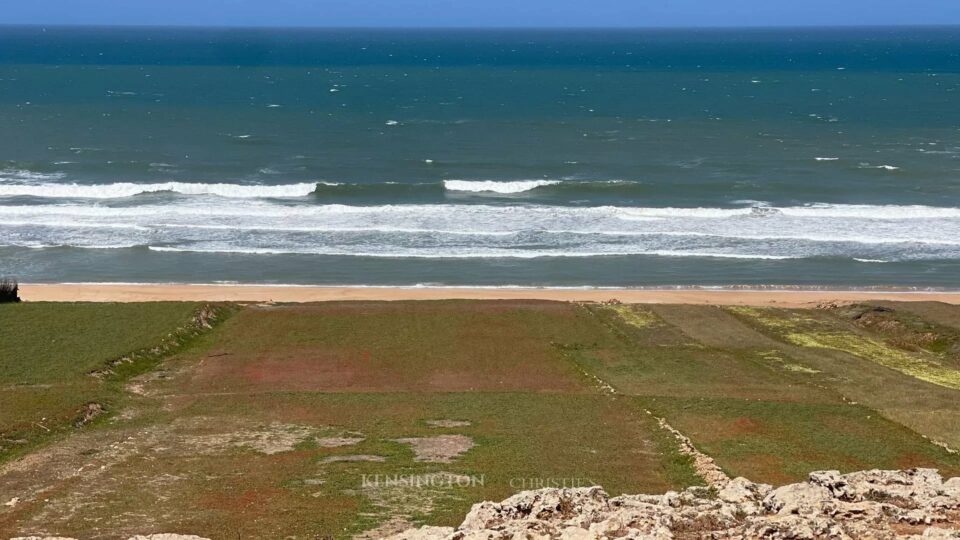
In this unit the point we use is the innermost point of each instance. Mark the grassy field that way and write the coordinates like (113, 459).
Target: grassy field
(329, 420)
(49, 352)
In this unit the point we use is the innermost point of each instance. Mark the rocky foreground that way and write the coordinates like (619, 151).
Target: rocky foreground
(915, 503)
(910, 504)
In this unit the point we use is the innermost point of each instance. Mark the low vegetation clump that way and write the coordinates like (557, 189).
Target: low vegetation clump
(904, 330)
(776, 358)
(635, 315)
(9, 290)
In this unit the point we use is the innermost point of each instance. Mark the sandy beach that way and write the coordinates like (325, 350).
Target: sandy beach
(263, 293)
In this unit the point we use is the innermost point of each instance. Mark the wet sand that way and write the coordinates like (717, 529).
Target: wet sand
(285, 293)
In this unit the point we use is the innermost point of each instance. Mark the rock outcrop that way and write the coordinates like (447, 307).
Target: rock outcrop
(915, 503)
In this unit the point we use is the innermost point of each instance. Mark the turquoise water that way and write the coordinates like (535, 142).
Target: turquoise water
(523, 157)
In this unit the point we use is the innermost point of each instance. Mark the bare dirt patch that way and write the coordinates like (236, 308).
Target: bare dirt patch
(390, 527)
(349, 458)
(439, 449)
(336, 442)
(269, 439)
(448, 423)
(398, 502)
(167, 536)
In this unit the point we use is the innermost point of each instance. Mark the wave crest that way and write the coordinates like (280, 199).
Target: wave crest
(491, 186)
(129, 189)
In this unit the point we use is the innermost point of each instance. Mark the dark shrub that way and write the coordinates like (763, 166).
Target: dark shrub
(8, 290)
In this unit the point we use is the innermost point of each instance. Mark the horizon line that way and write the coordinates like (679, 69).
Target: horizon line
(483, 27)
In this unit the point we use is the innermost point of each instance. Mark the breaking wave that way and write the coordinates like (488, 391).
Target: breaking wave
(129, 189)
(491, 186)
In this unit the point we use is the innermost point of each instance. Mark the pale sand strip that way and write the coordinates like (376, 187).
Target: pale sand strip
(260, 293)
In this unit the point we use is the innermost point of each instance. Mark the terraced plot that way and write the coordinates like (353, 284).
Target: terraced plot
(866, 364)
(393, 347)
(771, 405)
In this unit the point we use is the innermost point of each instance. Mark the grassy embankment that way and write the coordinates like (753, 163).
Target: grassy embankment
(64, 365)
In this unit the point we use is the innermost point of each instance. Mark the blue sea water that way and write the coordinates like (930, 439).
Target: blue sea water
(484, 157)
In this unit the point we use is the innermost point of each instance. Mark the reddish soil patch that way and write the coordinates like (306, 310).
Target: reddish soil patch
(248, 502)
(307, 370)
(373, 347)
(770, 469)
(745, 424)
(910, 460)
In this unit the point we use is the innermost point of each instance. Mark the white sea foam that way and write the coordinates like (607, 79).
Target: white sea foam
(866, 232)
(490, 186)
(456, 213)
(128, 189)
(881, 167)
(28, 176)
(864, 211)
(826, 158)
(467, 253)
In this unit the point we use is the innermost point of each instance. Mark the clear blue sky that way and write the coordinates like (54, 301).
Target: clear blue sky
(527, 13)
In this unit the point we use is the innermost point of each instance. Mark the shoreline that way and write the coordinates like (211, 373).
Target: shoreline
(756, 296)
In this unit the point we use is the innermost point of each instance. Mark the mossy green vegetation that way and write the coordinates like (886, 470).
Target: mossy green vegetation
(926, 369)
(905, 330)
(636, 315)
(802, 329)
(778, 359)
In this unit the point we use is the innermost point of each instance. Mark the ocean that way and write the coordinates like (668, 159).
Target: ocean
(564, 158)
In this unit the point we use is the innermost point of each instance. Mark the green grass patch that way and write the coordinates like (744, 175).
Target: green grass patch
(57, 342)
(781, 442)
(62, 365)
